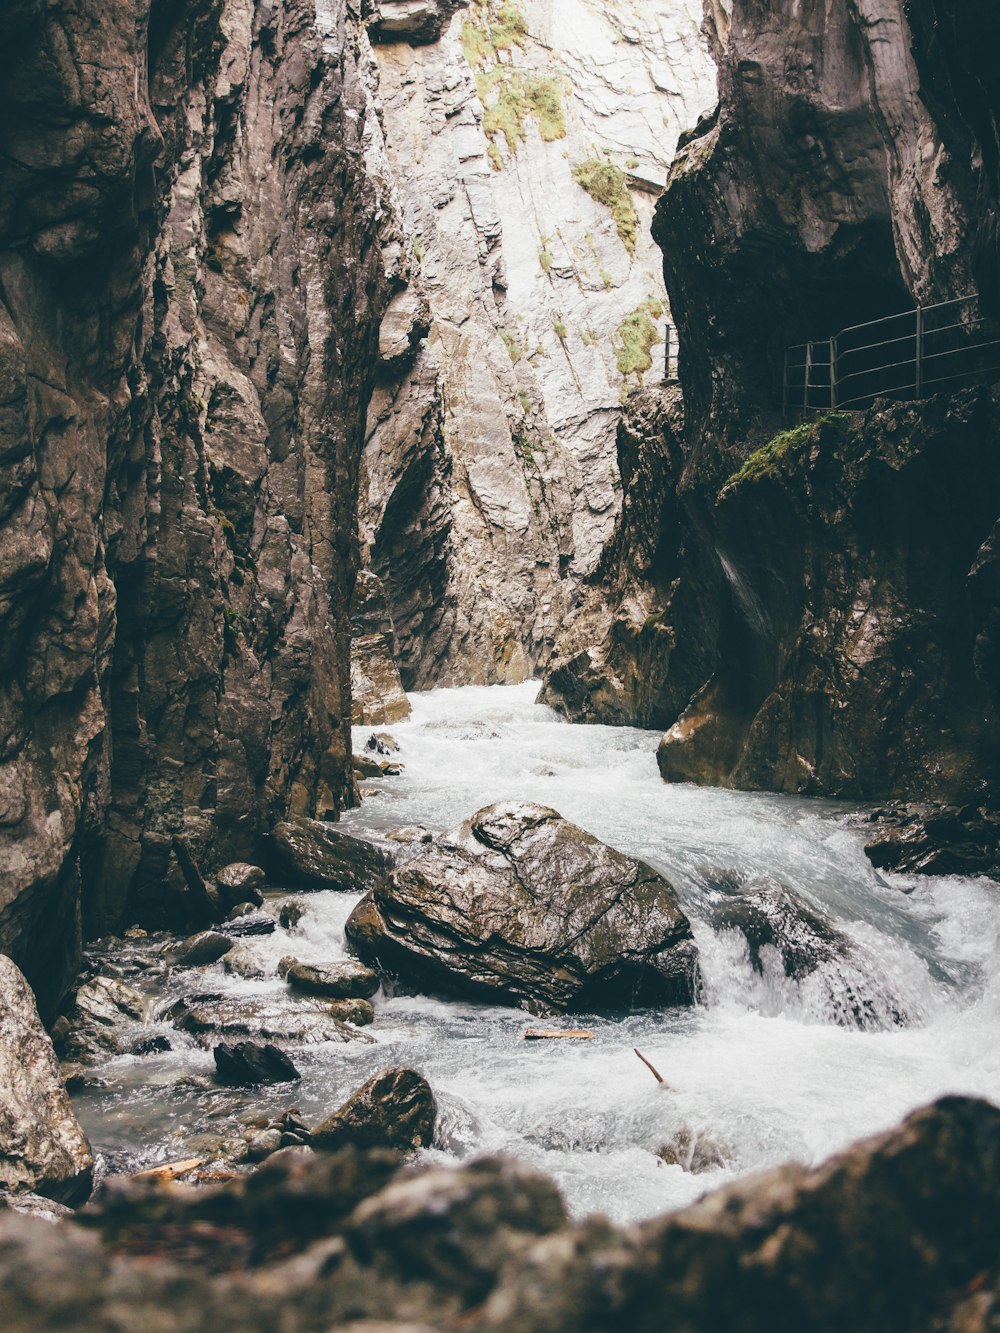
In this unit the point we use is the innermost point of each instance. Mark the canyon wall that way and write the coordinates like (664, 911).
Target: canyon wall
(190, 290)
(525, 150)
(817, 610)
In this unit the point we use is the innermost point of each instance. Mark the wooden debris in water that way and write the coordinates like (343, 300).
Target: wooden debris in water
(553, 1034)
(169, 1170)
(652, 1068)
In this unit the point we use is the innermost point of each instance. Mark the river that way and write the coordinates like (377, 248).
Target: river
(765, 1069)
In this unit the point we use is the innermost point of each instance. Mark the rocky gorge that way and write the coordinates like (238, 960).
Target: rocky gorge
(353, 352)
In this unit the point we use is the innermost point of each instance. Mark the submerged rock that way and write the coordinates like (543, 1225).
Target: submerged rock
(336, 981)
(248, 1063)
(394, 1109)
(520, 906)
(772, 918)
(318, 855)
(43, 1150)
(359, 1012)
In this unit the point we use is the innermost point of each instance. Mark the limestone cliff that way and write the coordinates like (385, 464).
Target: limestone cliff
(190, 291)
(818, 611)
(521, 155)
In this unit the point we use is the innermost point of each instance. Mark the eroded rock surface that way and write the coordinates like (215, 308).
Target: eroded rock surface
(191, 295)
(318, 854)
(43, 1150)
(394, 1109)
(518, 905)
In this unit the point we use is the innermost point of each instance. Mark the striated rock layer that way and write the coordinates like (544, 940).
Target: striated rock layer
(190, 290)
(825, 618)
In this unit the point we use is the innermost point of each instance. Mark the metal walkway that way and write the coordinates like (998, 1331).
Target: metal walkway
(903, 357)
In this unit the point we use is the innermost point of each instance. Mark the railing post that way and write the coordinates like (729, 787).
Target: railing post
(805, 387)
(833, 373)
(919, 384)
(666, 353)
(784, 390)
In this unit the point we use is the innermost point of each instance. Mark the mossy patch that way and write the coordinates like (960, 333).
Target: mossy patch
(832, 429)
(511, 97)
(513, 344)
(606, 183)
(635, 338)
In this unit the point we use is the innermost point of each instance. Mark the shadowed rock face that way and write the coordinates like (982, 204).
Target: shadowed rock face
(520, 906)
(189, 297)
(828, 624)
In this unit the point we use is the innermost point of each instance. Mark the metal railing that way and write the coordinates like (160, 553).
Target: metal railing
(904, 356)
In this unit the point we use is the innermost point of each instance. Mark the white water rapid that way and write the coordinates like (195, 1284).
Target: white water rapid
(765, 1069)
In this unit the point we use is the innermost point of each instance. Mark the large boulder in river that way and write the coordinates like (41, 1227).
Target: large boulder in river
(520, 906)
(43, 1150)
(317, 855)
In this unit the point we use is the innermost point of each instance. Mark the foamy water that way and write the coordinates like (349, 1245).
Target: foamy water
(765, 1069)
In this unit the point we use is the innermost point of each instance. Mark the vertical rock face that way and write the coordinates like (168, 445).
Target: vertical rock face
(189, 297)
(816, 610)
(522, 153)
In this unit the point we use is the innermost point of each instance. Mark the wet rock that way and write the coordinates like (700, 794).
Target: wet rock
(368, 768)
(241, 961)
(154, 1045)
(358, 1012)
(336, 981)
(772, 917)
(263, 1143)
(381, 742)
(199, 950)
(936, 840)
(291, 914)
(250, 923)
(241, 910)
(410, 835)
(696, 1151)
(103, 1010)
(213, 1016)
(321, 856)
(518, 905)
(240, 882)
(394, 1109)
(34, 1205)
(43, 1150)
(248, 1063)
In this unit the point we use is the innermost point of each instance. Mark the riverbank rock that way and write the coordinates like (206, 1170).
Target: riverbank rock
(520, 906)
(238, 1017)
(249, 1063)
(936, 840)
(394, 1109)
(335, 981)
(318, 855)
(43, 1150)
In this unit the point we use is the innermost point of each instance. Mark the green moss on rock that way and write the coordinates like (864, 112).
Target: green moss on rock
(606, 183)
(832, 429)
(635, 338)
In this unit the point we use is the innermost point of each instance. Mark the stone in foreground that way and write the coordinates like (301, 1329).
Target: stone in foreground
(519, 906)
(249, 1063)
(395, 1109)
(43, 1150)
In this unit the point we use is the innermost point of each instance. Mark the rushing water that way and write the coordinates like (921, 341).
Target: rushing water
(765, 1069)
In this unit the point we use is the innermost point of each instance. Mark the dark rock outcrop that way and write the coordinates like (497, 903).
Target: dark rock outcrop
(942, 840)
(43, 1150)
(191, 289)
(770, 918)
(520, 906)
(317, 855)
(394, 1109)
(814, 611)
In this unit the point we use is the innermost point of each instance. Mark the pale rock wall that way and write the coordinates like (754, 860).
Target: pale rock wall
(491, 464)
